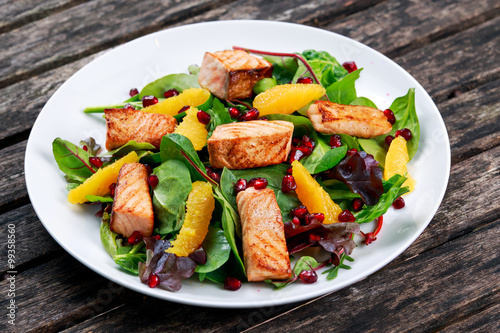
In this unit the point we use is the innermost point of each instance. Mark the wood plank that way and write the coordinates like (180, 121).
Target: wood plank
(484, 321)
(396, 27)
(12, 184)
(33, 241)
(420, 294)
(18, 13)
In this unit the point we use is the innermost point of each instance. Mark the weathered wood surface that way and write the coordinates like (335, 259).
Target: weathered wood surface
(446, 281)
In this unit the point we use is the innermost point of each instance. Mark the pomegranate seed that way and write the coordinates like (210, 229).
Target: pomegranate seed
(112, 189)
(96, 161)
(203, 117)
(240, 185)
(357, 204)
(170, 93)
(258, 183)
(335, 141)
(214, 175)
(133, 92)
(315, 216)
(288, 184)
(289, 171)
(308, 276)
(305, 80)
(129, 106)
(350, 66)
(405, 133)
(184, 108)
(252, 114)
(149, 169)
(296, 220)
(388, 139)
(314, 238)
(351, 151)
(306, 150)
(135, 238)
(307, 142)
(234, 112)
(263, 118)
(231, 283)
(299, 212)
(346, 216)
(157, 237)
(85, 148)
(296, 141)
(149, 100)
(153, 281)
(153, 180)
(390, 116)
(398, 203)
(296, 155)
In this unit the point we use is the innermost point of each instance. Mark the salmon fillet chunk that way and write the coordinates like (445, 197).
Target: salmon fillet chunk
(264, 245)
(250, 144)
(132, 207)
(123, 125)
(360, 121)
(231, 74)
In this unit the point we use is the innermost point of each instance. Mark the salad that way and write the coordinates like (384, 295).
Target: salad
(328, 177)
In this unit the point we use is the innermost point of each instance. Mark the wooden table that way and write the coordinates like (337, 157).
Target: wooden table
(448, 280)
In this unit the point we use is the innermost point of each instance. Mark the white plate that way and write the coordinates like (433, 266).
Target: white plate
(108, 79)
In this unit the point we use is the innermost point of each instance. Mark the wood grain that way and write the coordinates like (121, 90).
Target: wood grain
(12, 184)
(486, 320)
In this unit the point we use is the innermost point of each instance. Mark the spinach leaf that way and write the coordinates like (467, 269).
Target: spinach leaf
(217, 249)
(350, 141)
(205, 106)
(108, 237)
(96, 198)
(284, 68)
(327, 68)
(151, 159)
(179, 82)
(344, 91)
(406, 117)
(302, 125)
(72, 160)
(219, 116)
(369, 213)
(337, 190)
(304, 263)
(174, 145)
(323, 156)
(128, 147)
(363, 101)
(170, 195)
(129, 257)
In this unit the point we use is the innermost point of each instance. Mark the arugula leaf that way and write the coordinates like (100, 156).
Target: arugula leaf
(128, 256)
(179, 82)
(406, 117)
(128, 147)
(344, 91)
(170, 195)
(332, 272)
(217, 249)
(72, 160)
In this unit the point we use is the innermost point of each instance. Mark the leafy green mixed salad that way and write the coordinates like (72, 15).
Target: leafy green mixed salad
(351, 173)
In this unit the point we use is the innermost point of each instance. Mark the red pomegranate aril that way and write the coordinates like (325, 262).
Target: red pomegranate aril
(252, 114)
(129, 106)
(299, 212)
(231, 283)
(307, 142)
(234, 112)
(295, 155)
(240, 185)
(149, 100)
(258, 183)
(289, 171)
(96, 161)
(350, 66)
(314, 216)
(133, 92)
(153, 281)
(288, 183)
(308, 276)
(346, 216)
(170, 93)
(112, 189)
(335, 141)
(306, 150)
(183, 109)
(296, 220)
(203, 117)
(314, 238)
(398, 203)
(357, 204)
(388, 139)
(351, 151)
(390, 116)
(214, 175)
(405, 133)
(305, 80)
(85, 148)
(135, 238)
(157, 237)
(296, 141)
(149, 169)
(153, 180)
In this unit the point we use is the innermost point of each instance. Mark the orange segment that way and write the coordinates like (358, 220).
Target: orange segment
(172, 105)
(199, 207)
(99, 182)
(287, 98)
(396, 162)
(312, 195)
(193, 129)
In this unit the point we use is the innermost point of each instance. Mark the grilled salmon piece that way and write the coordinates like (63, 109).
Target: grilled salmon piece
(132, 207)
(231, 74)
(250, 144)
(360, 121)
(264, 245)
(123, 125)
